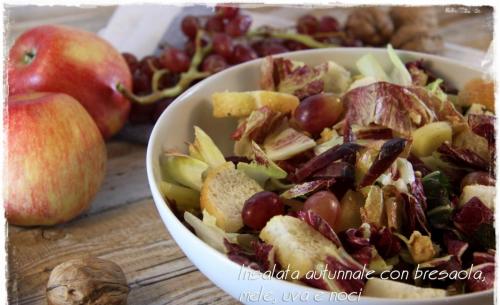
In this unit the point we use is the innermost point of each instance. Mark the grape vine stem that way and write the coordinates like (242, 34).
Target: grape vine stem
(185, 80)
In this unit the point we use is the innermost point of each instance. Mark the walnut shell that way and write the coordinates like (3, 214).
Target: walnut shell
(371, 25)
(87, 281)
(417, 38)
(404, 15)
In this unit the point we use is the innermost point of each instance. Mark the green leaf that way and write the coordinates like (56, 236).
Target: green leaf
(437, 189)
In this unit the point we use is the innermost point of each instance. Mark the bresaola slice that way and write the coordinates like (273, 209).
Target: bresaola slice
(470, 217)
(487, 280)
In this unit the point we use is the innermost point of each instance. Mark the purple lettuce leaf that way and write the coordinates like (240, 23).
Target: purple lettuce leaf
(260, 257)
(283, 75)
(374, 133)
(319, 224)
(326, 158)
(386, 105)
(390, 150)
(484, 126)
(462, 157)
(387, 244)
(305, 188)
(349, 284)
(241, 256)
(414, 216)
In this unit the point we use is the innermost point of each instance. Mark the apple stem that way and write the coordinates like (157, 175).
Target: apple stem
(302, 38)
(185, 80)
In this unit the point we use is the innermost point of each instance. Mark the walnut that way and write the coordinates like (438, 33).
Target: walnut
(371, 25)
(404, 15)
(417, 38)
(87, 281)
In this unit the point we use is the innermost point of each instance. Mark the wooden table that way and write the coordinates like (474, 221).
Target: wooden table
(123, 224)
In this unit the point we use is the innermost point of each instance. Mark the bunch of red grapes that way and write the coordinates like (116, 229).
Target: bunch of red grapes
(227, 29)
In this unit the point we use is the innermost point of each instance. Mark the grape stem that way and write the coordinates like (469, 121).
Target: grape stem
(302, 38)
(185, 80)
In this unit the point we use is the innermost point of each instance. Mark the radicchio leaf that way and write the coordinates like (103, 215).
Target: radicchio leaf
(265, 255)
(348, 285)
(462, 157)
(260, 257)
(357, 244)
(388, 153)
(417, 190)
(307, 187)
(321, 161)
(258, 125)
(415, 217)
(385, 242)
(374, 133)
(240, 256)
(315, 221)
(386, 105)
(285, 76)
(484, 126)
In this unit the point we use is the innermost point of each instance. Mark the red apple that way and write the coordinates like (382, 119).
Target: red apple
(55, 160)
(78, 63)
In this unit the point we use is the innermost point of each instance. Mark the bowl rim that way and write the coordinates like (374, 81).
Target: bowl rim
(155, 190)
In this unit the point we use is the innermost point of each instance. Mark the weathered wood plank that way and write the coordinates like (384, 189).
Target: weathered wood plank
(133, 236)
(126, 179)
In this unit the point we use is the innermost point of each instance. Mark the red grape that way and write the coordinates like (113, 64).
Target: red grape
(131, 61)
(147, 64)
(328, 24)
(159, 107)
(141, 84)
(215, 24)
(223, 45)
(318, 111)
(189, 26)
(307, 24)
(261, 207)
(242, 53)
(214, 63)
(227, 11)
(295, 45)
(265, 48)
(325, 204)
(141, 113)
(482, 178)
(239, 25)
(175, 60)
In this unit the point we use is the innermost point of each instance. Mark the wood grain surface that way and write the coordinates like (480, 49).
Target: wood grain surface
(123, 224)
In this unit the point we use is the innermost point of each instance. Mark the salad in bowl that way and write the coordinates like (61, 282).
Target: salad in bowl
(374, 181)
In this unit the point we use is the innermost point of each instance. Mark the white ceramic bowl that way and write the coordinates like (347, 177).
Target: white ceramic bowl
(175, 127)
